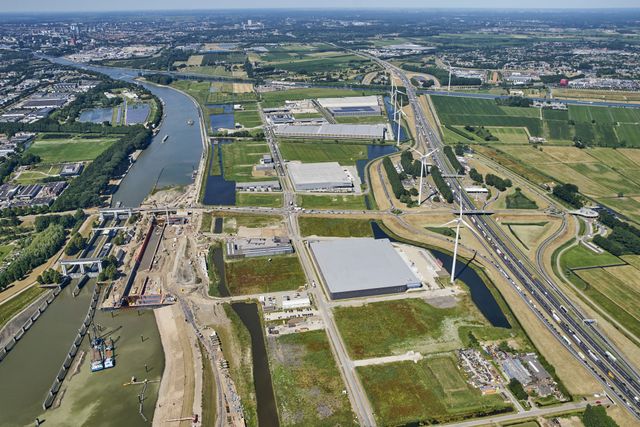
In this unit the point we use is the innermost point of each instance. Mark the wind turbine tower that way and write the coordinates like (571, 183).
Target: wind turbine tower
(423, 170)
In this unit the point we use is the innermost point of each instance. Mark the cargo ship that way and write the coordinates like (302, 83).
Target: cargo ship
(165, 138)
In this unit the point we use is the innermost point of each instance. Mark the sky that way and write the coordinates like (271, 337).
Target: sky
(102, 5)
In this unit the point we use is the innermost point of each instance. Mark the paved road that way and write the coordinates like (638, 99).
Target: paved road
(544, 298)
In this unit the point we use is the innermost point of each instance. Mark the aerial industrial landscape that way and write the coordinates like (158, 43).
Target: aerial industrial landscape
(331, 217)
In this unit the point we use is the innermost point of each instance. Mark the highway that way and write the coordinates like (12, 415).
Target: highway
(580, 336)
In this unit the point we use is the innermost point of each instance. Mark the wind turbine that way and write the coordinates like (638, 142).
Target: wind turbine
(401, 113)
(423, 170)
(458, 222)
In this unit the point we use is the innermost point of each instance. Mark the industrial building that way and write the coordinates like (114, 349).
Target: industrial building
(358, 267)
(327, 176)
(71, 169)
(259, 186)
(256, 247)
(329, 130)
(352, 106)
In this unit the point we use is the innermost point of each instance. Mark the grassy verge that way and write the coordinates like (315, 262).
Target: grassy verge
(308, 201)
(445, 231)
(16, 304)
(207, 219)
(336, 227)
(268, 200)
(208, 390)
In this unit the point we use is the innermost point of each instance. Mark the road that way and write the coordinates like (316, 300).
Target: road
(543, 297)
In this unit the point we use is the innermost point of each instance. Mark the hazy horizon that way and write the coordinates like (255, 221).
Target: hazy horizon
(45, 6)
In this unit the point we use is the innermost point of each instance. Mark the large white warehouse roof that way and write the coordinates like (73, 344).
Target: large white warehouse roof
(351, 101)
(362, 266)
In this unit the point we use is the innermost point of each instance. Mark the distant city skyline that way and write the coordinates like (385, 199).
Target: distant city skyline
(126, 5)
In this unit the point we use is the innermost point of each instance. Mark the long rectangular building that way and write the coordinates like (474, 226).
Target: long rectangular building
(358, 267)
(329, 130)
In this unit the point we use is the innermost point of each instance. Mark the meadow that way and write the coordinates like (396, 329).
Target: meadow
(309, 201)
(74, 149)
(270, 200)
(335, 227)
(239, 157)
(264, 274)
(306, 381)
(432, 391)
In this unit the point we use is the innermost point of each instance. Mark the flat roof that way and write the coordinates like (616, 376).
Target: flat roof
(334, 130)
(318, 174)
(349, 101)
(361, 264)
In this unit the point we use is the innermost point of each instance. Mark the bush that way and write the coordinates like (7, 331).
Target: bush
(517, 389)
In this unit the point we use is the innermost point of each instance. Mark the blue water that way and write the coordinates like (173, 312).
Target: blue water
(96, 115)
(137, 113)
(226, 120)
(389, 108)
(480, 294)
(373, 152)
(219, 191)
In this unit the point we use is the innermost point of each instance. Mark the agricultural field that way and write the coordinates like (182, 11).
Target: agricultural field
(260, 275)
(345, 154)
(269, 200)
(611, 177)
(309, 201)
(594, 126)
(306, 381)
(395, 327)
(74, 149)
(614, 288)
(239, 157)
(607, 280)
(595, 94)
(199, 90)
(434, 390)
(335, 227)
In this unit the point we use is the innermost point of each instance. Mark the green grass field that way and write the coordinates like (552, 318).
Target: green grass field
(309, 201)
(264, 274)
(362, 119)
(580, 256)
(73, 149)
(239, 157)
(345, 154)
(507, 135)
(199, 90)
(307, 383)
(517, 200)
(432, 391)
(231, 222)
(335, 227)
(269, 200)
(208, 389)
(248, 118)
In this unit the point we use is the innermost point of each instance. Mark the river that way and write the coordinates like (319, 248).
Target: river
(162, 164)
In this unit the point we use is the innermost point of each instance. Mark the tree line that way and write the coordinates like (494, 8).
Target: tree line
(568, 193)
(441, 184)
(624, 238)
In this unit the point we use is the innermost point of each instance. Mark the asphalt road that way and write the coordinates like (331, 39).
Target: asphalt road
(607, 363)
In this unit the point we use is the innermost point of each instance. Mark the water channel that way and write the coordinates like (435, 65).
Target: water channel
(267, 411)
(480, 293)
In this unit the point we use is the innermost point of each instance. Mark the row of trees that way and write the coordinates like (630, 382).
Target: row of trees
(443, 188)
(50, 276)
(448, 151)
(514, 101)
(394, 178)
(623, 240)
(43, 246)
(76, 244)
(476, 176)
(409, 165)
(67, 221)
(569, 193)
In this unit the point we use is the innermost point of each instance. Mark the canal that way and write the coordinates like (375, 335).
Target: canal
(28, 371)
(480, 293)
(267, 411)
